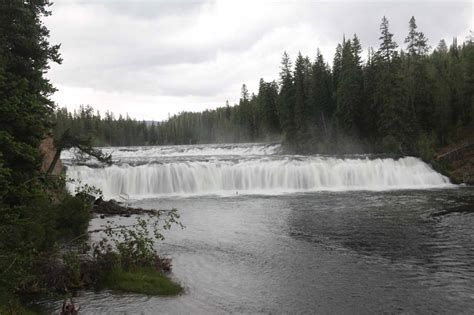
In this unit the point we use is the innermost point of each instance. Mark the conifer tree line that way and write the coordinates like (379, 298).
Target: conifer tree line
(105, 130)
(402, 98)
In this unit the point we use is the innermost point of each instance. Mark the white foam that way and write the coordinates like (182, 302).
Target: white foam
(154, 152)
(259, 176)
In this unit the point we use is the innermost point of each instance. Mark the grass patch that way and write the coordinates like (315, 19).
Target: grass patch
(141, 280)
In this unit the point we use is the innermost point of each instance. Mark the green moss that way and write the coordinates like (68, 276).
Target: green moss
(141, 280)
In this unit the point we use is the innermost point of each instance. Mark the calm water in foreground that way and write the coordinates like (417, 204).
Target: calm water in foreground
(353, 252)
(350, 250)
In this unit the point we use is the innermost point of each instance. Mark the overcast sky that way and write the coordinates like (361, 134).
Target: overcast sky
(154, 58)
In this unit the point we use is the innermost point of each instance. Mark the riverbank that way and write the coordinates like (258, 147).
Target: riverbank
(456, 160)
(122, 259)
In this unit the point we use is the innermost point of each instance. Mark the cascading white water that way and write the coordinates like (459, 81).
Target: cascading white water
(150, 153)
(259, 175)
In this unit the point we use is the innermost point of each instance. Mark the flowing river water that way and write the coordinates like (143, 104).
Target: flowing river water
(273, 233)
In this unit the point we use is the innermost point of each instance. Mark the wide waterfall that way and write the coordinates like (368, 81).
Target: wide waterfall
(245, 171)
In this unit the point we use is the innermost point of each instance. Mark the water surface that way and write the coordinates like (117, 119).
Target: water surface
(302, 249)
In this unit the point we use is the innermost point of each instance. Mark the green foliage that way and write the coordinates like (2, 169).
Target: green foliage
(426, 147)
(286, 101)
(349, 88)
(25, 108)
(387, 50)
(388, 103)
(141, 280)
(73, 215)
(73, 269)
(106, 130)
(126, 258)
(302, 79)
(267, 103)
(31, 231)
(134, 246)
(28, 219)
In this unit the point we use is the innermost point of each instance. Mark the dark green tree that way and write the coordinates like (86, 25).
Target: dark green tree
(24, 93)
(286, 100)
(300, 106)
(349, 90)
(417, 82)
(321, 100)
(267, 100)
(387, 50)
(417, 43)
(396, 121)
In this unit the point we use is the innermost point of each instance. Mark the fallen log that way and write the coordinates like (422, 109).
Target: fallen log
(112, 207)
(456, 152)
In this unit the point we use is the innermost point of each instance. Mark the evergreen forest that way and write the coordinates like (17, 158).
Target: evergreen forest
(407, 98)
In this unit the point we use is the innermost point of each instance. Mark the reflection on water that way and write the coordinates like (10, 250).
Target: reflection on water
(326, 252)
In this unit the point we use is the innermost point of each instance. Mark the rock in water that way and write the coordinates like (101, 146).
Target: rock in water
(69, 308)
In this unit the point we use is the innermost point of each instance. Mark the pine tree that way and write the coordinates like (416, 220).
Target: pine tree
(25, 109)
(267, 102)
(438, 72)
(442, 47)
(369, 112)
(245, 109)
(286, 100)
(321, 103)
(356, 51)
(417, 43)
(387, 50)
(468, 71)
(300, 108)
(337, 65)
(416, 77)
(396, 118)
(349, 90)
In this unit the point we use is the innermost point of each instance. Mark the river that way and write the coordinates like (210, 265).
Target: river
(272, 233)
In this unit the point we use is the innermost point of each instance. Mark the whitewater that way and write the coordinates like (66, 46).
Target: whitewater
(272, 233)
(232, 169)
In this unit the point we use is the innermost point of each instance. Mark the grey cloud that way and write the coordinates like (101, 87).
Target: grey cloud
(153, 9)
(143, 9)
(207, 49)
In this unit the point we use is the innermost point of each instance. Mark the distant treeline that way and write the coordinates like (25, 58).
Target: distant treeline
(397, 100)
(106, 130)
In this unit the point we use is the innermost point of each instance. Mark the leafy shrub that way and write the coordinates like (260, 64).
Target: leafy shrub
(73, 214)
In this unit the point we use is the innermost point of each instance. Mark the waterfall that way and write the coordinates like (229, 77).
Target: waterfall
(259, 175)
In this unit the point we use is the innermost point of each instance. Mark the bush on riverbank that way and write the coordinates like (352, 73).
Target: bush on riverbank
(126, 259)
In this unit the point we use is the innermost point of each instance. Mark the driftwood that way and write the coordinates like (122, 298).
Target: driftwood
(112, 207)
